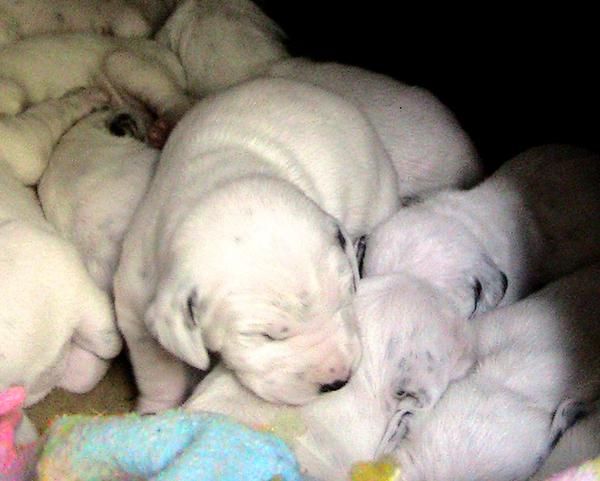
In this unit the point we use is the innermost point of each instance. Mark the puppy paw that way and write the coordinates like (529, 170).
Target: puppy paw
(145, 405)
(83, 370)
(158, 133)
(396, 430)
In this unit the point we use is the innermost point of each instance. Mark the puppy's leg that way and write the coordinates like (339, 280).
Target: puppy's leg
(12, 97)
(28, 138)
(150, 83)
(83, 370)
(162, 379)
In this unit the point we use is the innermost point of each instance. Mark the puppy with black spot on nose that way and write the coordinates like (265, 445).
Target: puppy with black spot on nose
(244, 244)
(535, 219)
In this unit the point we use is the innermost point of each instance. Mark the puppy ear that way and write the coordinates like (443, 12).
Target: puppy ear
(488, 287)
(360, 247)
(174, 319)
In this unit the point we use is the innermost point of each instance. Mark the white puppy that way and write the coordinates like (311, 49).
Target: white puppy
(56, 326)
(27, 139)
(428, 148)
(243, 244)
(204, 33)
(96, 176)
(538, 366)
(579, 444)
(536, 218)
(47, 66)
(331, 433)
(28, 17)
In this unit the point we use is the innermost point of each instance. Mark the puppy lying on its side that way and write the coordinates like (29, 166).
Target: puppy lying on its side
(96, 176)
(536, 218)
(538, 368)
(24, 18)
(243, 243)
(56, 326)
(332, 432)
(579, 444)
(428, 148)
(204, 32)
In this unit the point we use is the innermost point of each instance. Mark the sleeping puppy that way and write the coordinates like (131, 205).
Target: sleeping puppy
(333, 432)
(579, 444)
(96, 176)
(236, 30)
(56, 327)
(244, 244)
(28, 138)
(47, 66)
(538, 367)
(24, 18)
(536, 218)
(428, 148)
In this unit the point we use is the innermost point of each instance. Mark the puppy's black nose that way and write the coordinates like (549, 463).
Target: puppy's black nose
(334, 386)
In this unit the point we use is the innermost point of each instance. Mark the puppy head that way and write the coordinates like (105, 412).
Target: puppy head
(413, 338)
(441, 250)
(262, 275)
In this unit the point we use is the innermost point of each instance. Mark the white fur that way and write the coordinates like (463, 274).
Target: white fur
(92, 186)
(47, 66)
(428, 148)
(56, 326)
(237, 241)
(336, 430)
(221, 43)
(537, 362)
(28, 138)
(24, 18)
(534, 219)
(579, 444)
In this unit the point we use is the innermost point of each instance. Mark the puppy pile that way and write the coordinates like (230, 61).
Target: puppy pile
(173, 181)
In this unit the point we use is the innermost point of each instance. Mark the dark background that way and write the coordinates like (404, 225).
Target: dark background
(514, 78)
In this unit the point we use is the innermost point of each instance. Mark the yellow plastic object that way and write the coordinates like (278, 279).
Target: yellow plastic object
(382, 470)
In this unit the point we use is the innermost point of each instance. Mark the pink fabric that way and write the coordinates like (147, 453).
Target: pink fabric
(15, 461)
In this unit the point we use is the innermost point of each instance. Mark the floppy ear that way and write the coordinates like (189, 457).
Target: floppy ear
(488, 284)
(360, 247)
(174, 319)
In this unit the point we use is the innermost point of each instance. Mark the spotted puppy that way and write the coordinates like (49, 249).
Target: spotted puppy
(56, 327)
(95, 179)
(537, 369)
(244, 243)
(535, 219)
(331, 433)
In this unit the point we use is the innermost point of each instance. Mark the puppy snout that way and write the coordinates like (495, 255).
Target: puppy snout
(334, 386)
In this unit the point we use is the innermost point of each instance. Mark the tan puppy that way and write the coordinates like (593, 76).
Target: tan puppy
(56, 326)
(28, 138)
(24, 18)
(96, 176)
(243, 244)
(47, 66)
